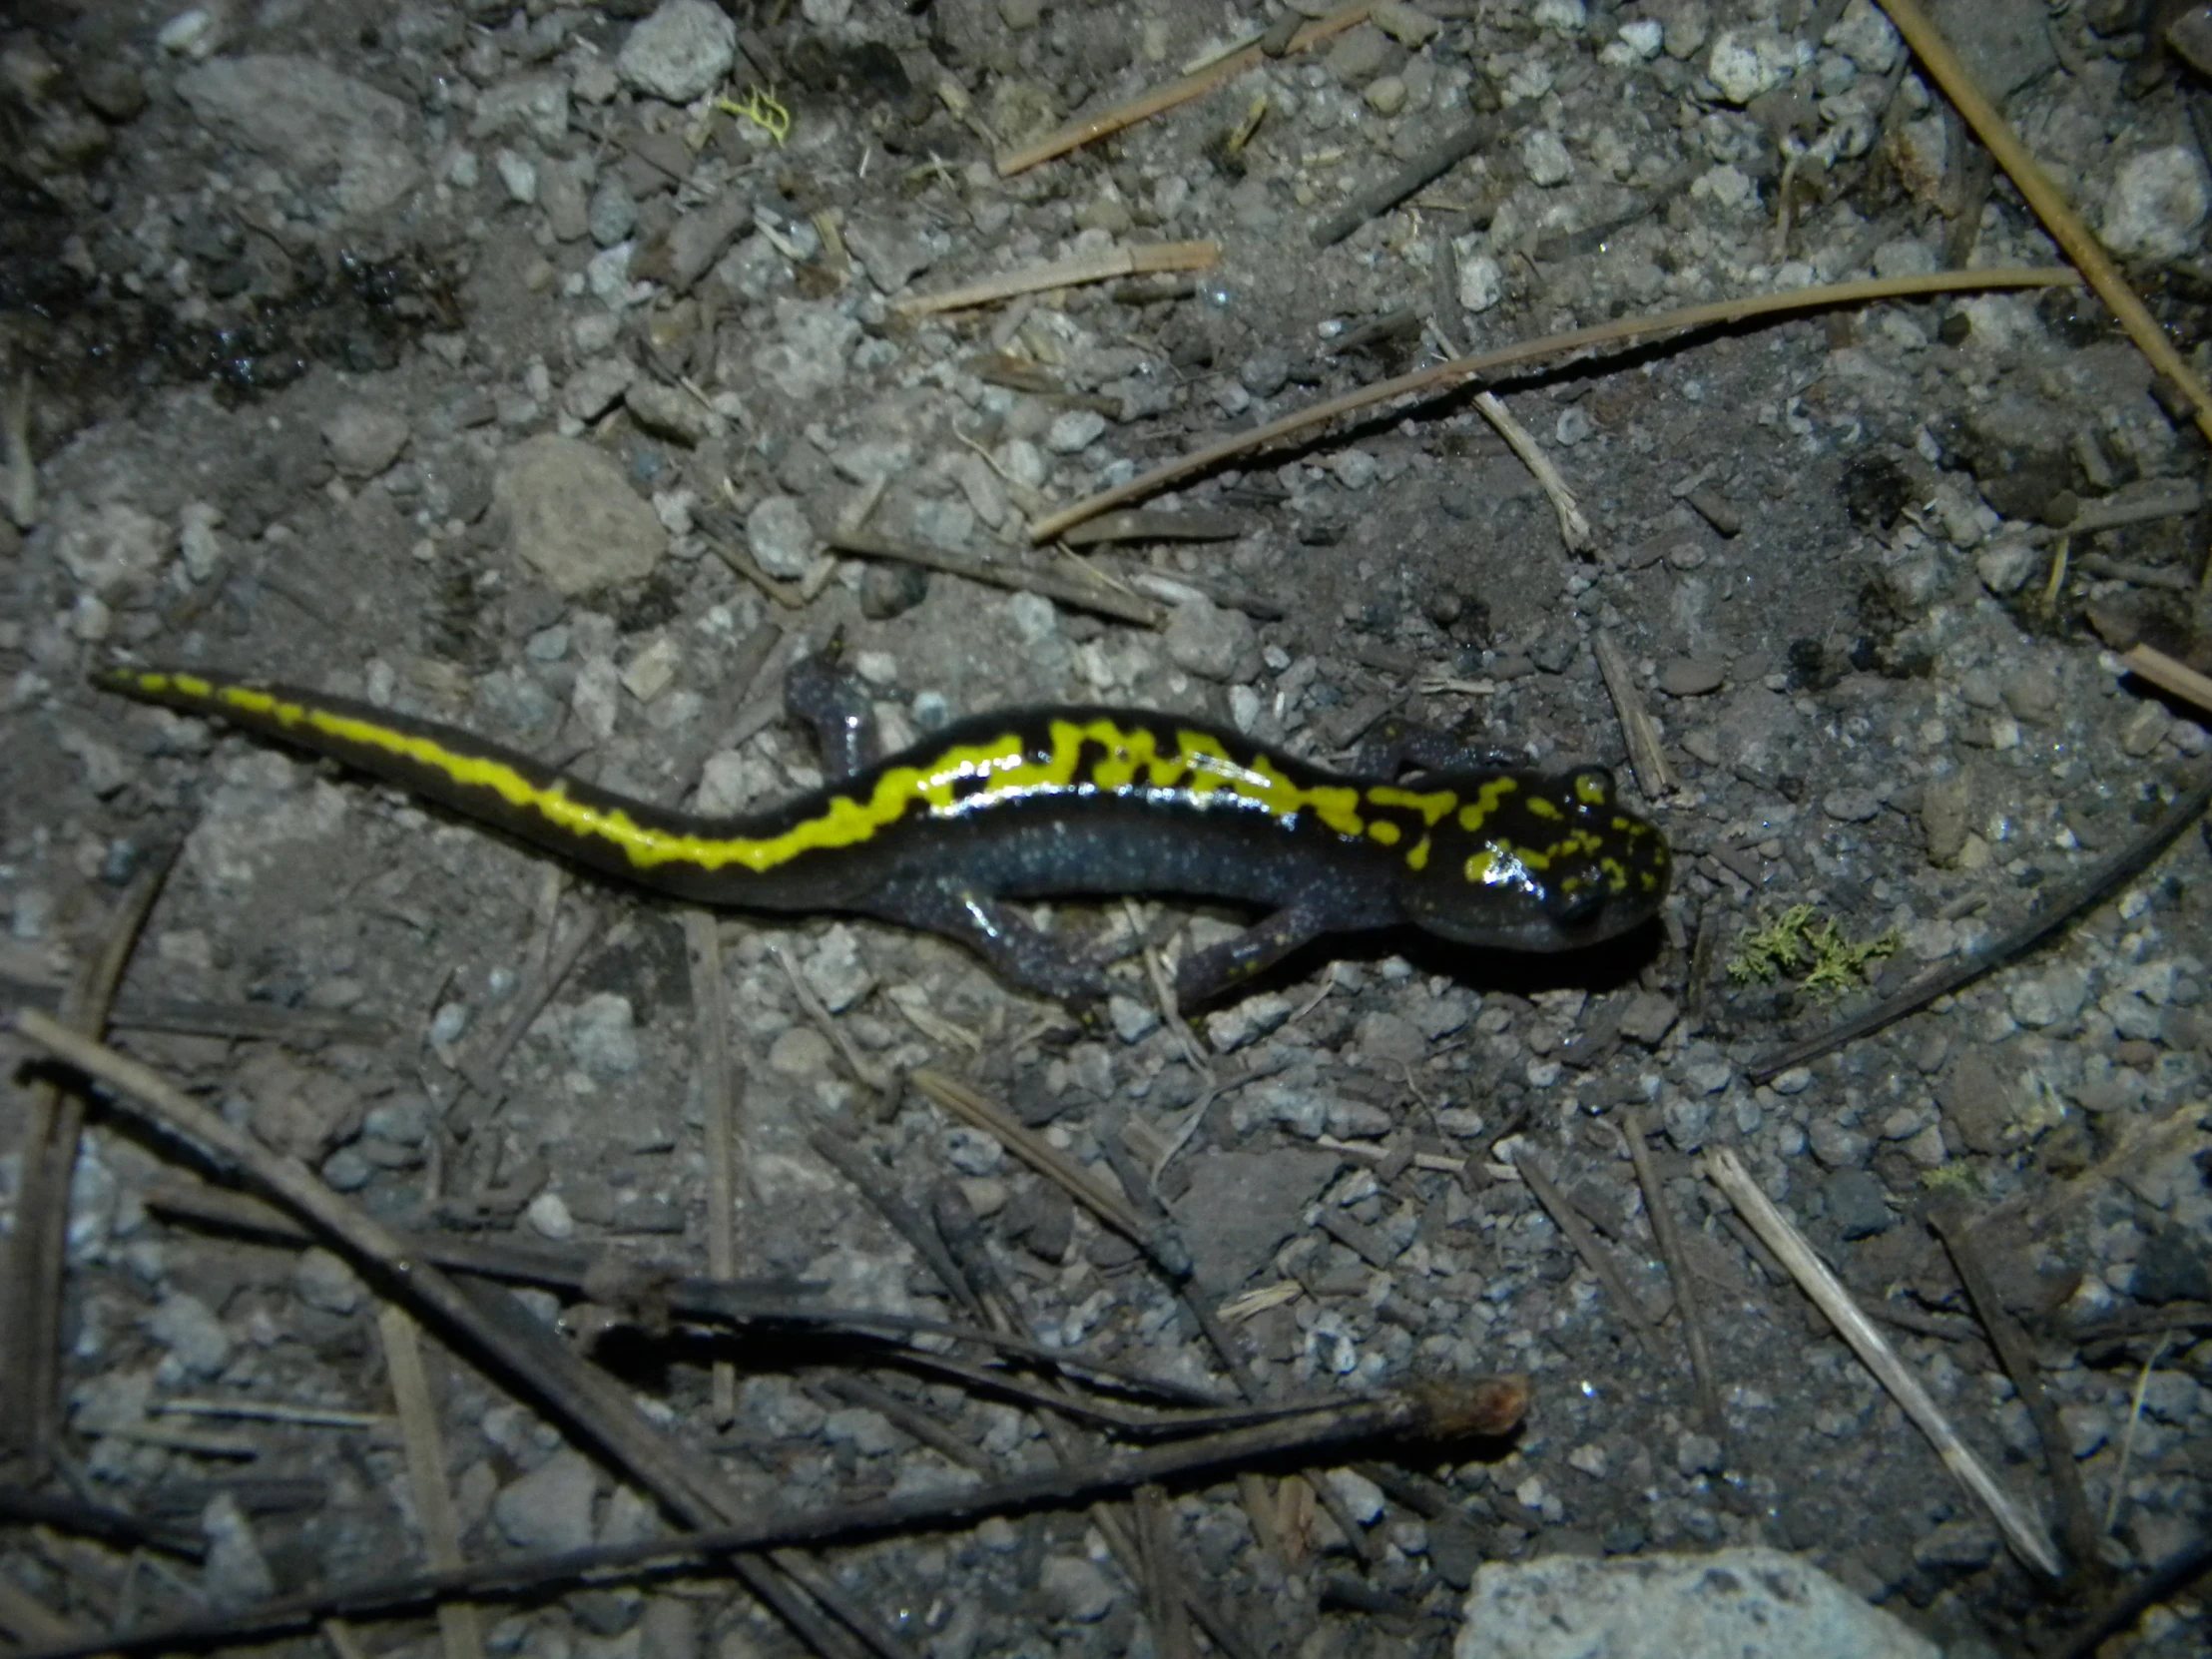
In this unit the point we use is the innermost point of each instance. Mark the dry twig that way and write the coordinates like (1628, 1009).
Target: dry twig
(2168, 675)
(2064, 224)
(2019, 1359)
(1476, 1409)
(718, 1113)
(1442, 377)
(1139, 259)
(1161, 99)
(425, 1448)
(37, 1259)
(2020, 1527)
(1570, 1221)
(1088, 595)
(1641, 732)
(1668, 1232)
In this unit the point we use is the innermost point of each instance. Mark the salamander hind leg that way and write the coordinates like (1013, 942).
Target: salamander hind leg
(835, 707)
(1019, 953)
(1396, 746)
(1221, 967)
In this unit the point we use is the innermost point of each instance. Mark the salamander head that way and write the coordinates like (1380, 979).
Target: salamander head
(1526, 862)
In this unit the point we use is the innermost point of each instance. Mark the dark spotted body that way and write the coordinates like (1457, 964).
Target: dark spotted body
(1044, 802)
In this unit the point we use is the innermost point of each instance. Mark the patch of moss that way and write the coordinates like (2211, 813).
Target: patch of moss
(1802, 945)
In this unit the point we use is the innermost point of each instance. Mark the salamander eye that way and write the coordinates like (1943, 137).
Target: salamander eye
(1575, 912)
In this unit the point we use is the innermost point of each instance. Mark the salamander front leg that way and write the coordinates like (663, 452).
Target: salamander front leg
(1399, 745)
(1019, 953)
(835, 707)
(1223, 966)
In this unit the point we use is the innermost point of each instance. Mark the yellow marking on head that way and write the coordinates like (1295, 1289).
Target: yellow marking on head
(1593, 789)
(1529, 857)
(1383, 830)
(1433, 805)
(1486, 801)
(1616, 873)
(1538, 807)
(1479, 866)
(1419, 857)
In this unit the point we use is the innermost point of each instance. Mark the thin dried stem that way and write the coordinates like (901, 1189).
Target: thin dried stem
(1440, 377)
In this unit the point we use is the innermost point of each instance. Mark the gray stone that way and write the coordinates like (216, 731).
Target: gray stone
(1388, 1040)
(518, 175)
(681, 52)
(114, 88)
(110, 549)
(1132, 1020)
(1359, 55)
(893, 253)
(597, 387)
(573, 518)
(1075, 1588)
(613, 211)
(235, 1574)
(1692, 676)
(188, 1328)
(801, 1053)
(671, 412)
(2056, 997)
(1545, 157)
(1866, 37)
(303, 115)
(365, 439)
(1241, 1205)
(2157, 205)
(1748, 1603)
(322, 1280)
(1835, 1143)
(529, 106)
(1408, 25)
(550, 1508)
(297, 1108)
(603, 1036)
(2171, 1267)
(2005, 566)
(835, 970)
(1208, 640)
(561, 195)
(1074, 431)
(1977, 1103)
(780, 537)
(1857, 1204)
(687, 249)
(1851, 806)
(2005, 43)
(1946, 808)
(808, 356)
(1648, 1018)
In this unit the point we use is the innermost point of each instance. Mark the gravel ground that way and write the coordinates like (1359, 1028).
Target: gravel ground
(492, 362)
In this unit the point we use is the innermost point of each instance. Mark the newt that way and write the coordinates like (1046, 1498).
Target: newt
(1042, 803)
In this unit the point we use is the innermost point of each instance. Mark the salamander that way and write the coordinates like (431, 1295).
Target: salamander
(1044, 802)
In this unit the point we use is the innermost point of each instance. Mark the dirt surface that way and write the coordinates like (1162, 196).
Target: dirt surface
(487, 362)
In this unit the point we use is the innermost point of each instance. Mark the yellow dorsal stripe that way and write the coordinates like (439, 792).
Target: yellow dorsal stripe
(1431, 806)
(956, 779)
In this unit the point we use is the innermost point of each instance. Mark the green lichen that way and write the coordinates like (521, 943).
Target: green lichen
(1804, 946)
